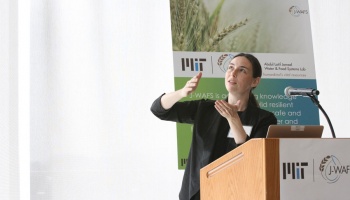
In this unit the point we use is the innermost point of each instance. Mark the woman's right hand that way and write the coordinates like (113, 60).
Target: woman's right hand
(191, 85)
(169, 99)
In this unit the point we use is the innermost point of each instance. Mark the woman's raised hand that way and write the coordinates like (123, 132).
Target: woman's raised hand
(191, 85)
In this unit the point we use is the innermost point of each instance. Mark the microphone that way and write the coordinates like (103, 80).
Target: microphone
(306, 92)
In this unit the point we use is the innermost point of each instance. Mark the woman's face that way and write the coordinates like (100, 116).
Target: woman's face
(239, 76)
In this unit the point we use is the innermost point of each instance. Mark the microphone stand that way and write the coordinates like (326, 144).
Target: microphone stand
(317, 103)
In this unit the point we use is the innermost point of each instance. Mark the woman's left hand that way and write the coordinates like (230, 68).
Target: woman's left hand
(225, 109)
(230, 113)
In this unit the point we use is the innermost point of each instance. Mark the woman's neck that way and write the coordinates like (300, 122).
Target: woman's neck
(232, 99)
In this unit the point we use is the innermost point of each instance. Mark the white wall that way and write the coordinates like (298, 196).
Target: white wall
(9, 159)
(331, 41)
(96, 67)
(94, 76)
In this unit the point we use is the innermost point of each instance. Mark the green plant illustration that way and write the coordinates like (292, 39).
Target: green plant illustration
(195, 29)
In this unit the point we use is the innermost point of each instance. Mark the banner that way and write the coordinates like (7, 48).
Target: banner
(206, 34)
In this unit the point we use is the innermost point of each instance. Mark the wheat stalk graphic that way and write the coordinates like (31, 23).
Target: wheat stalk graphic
(194, 29)
(323, 163)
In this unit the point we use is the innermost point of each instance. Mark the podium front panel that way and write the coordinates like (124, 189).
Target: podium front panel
(286, 169)
(314, 169)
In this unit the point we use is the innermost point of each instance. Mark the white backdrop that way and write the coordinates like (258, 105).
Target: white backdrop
(95, 68)
(9, 159)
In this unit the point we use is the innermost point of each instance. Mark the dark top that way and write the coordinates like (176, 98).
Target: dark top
(210, 130)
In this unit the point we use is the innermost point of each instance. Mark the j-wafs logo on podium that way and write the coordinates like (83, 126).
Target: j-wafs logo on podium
(331, 169)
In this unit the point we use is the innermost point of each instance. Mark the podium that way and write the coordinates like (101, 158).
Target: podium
(273, 169)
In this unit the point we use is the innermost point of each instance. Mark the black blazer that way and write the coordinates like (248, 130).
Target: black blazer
(209, 138)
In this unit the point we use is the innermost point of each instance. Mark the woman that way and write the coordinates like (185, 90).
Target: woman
(218, 126)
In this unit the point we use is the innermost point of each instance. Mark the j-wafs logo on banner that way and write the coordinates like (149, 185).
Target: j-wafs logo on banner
(296, 11)
(224, 61)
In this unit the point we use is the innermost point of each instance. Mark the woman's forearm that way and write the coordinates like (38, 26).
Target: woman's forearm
(169, 99)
